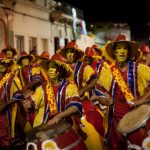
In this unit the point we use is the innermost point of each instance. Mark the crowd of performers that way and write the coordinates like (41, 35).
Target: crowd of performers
(92, 90)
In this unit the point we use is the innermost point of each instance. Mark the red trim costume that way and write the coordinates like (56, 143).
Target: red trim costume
(8, 115)
(125, 86)
(92, 118)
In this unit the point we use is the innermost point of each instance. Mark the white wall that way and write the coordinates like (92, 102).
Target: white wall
(85, 41)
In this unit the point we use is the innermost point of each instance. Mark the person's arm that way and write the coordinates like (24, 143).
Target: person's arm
(69, 111)
(143, 100)
(88, 87)
(104, 100)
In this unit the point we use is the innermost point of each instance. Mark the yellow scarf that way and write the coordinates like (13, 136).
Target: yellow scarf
(50, 95)
(121, 83)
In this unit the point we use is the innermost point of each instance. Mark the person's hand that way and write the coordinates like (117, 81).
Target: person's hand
(81, 92)
(27, 105)
(93, 97)
(138, 102)
(105, 101)
(54, 120)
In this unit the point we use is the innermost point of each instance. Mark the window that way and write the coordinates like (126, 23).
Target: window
(32, 43)
(45, 3)
(20, 43)
(44, 44)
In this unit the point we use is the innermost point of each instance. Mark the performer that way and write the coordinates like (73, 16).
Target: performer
(68, 100)
(85, 78)
(146, 54)
(11, 54)
(91, 56)
(11, 135)
(126, 81)
(43, 102)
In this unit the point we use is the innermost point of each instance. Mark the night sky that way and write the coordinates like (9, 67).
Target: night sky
(134, 12)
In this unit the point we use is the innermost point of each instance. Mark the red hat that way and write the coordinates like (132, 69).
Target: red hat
(62, 62)
(122, 38)
(90, 52)
(145, 48)
(4, 60)
(24, 54)
(45, 55)
(71, 45)
(97, 48)
(11, 49)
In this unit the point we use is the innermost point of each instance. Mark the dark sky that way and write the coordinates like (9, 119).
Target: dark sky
(134, 12)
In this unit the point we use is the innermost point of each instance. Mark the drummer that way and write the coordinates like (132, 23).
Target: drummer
(126, 81)
(54, 99)
(66, 100)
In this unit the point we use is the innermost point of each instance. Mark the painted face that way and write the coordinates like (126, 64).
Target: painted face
(70, 55)
(88, 60)
(9, 54)
(2, 68)
(121, 52)
(52, 71)
(25, 61)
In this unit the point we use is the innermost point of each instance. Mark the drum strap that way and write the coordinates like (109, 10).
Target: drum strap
(121, 83)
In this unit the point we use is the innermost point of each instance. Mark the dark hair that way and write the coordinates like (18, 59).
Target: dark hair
(62, 71)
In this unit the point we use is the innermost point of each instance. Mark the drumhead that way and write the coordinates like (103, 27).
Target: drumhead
(134, 119)
(44, 132)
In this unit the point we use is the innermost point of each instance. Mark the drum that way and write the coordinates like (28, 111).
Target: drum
(135, 126)
(55, 137)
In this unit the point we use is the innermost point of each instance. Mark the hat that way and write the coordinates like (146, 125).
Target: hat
(71, 45)
(145, 48)
(11, 49)
(4, 60)
(62, 62)
(44, 56)
(97, 48)
(90, 52)
(122, 38)
(24, 54)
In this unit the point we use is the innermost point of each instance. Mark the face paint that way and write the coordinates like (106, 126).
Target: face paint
(25, 61)
(52, 71)
(9, 54)
(88, 60)
(2, 68)
(70, 55)
(121, 52)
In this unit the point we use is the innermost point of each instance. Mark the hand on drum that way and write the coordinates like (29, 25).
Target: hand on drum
(142, 100)
(54, 120)
(139, 102)
(27, 105)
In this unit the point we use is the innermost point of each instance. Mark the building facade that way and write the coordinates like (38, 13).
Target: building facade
(44, 24)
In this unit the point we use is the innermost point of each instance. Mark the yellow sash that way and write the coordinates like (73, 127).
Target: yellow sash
(5, 78)
(50, 95)
(121, 83)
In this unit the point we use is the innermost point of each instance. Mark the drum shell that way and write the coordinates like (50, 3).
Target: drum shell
(135, 125)
(67, 140)
(136, 137)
